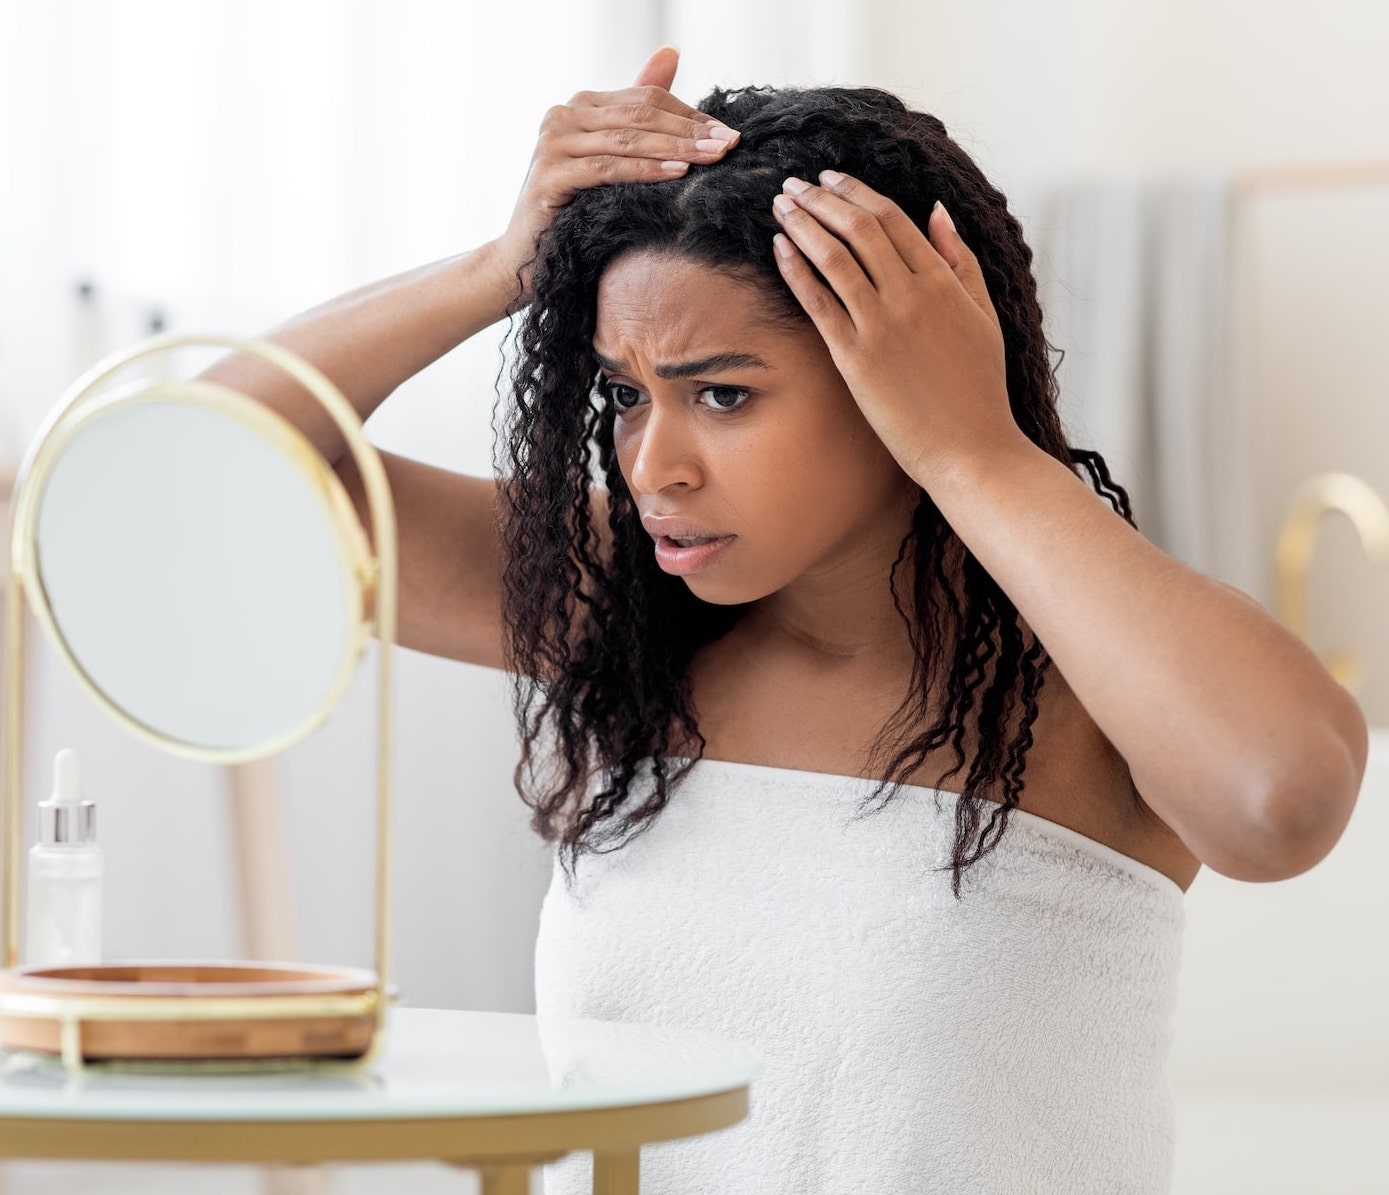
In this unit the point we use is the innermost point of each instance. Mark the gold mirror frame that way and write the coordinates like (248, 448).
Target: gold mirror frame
(376, 577)
(353, 550)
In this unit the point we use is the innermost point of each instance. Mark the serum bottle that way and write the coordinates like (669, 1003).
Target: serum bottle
(65, 867)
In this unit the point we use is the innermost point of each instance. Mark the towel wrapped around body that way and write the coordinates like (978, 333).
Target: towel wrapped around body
(1014, 1041)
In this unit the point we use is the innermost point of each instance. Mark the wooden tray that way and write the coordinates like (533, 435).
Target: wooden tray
(320, 1012)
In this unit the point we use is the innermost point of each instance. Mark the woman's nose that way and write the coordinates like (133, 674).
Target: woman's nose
(666, 453)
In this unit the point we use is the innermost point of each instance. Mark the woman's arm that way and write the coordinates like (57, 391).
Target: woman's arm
(368, 342)
(1235, 734)
(371, 340)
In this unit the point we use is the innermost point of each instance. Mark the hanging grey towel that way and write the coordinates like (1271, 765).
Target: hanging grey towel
(1135, 280)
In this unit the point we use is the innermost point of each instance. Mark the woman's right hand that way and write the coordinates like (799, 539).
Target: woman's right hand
(640, 134)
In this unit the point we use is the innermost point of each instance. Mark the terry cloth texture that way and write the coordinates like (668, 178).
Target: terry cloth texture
(1014, 1041)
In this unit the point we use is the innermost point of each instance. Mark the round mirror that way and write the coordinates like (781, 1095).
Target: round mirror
(201, 567)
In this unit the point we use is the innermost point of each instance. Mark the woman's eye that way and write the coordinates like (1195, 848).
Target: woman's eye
(726, 398)
(721, 398)
(623, 397)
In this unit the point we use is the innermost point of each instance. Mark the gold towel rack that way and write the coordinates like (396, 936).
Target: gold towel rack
(1309, 504)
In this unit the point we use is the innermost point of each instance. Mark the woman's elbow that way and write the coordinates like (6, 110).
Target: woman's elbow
(1308, 807)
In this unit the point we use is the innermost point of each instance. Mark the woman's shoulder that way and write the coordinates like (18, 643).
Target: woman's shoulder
(760, 711)
(1077, 778)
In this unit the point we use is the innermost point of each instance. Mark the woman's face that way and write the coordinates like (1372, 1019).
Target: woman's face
(743, 429)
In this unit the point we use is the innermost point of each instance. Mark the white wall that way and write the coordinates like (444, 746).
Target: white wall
(1073, 86)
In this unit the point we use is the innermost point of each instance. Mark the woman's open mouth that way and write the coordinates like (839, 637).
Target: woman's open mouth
(680, 557)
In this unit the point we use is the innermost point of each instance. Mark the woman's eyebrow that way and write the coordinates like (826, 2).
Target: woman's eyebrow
(714, 363)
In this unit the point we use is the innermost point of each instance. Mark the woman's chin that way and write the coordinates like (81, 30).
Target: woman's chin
(708, 590)
(728, 591)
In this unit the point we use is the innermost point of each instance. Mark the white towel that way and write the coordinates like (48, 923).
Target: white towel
(1015, 1041)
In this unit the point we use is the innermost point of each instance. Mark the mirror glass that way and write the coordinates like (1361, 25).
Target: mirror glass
(196, 566)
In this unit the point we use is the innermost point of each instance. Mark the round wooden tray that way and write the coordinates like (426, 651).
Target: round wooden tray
(191, 1010)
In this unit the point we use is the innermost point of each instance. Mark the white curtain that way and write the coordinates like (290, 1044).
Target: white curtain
(226, 163)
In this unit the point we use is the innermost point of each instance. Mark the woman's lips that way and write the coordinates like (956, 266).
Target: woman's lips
(680, 562)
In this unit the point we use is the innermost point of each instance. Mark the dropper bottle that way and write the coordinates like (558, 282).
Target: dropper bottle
(65, 868)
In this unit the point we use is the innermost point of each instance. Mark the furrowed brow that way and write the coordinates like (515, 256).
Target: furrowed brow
(715, 363)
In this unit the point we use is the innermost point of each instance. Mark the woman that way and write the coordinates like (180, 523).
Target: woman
(839, 543)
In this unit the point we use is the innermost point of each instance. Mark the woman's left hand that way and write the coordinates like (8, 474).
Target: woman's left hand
(909, 322)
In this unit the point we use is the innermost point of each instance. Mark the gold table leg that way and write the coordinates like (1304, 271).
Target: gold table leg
(617, 1172)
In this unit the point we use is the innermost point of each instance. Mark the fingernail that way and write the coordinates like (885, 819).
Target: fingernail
(675, 167)
(722, 133)
(710, 146)
(948, 220)
(794, 185)
(782, 244)
(831, 178)
(784, 204)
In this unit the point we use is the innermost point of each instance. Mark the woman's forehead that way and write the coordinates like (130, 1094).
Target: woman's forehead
(649, 273)
(676, 301)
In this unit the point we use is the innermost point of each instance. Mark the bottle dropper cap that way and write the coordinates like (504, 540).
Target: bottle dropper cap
(65, 817)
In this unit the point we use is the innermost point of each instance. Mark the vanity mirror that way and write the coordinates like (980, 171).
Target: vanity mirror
(201, 569)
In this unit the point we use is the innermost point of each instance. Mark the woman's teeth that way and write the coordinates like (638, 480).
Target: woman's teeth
(690, 543)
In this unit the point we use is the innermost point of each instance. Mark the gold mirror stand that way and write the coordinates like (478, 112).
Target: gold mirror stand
(379, 587)
(1309, 504)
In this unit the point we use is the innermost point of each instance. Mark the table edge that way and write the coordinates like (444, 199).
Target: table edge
(519, 1135)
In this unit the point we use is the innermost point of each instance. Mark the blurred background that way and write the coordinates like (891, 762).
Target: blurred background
(1205, 184)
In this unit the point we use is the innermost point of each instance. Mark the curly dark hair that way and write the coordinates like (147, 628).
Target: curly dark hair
(600, 648)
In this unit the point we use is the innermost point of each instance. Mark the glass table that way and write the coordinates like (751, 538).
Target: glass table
(500, 1093)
